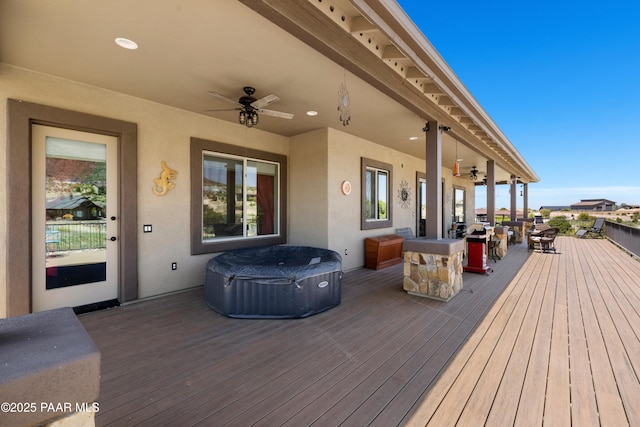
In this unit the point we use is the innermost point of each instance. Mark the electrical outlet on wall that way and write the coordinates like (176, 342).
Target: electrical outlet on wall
(174, 265)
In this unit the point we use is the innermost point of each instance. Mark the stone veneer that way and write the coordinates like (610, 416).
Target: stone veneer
(518, 228)
(502, 236)
(433, 275)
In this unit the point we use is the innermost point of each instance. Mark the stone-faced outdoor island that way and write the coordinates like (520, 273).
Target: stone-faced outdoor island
(433, 268)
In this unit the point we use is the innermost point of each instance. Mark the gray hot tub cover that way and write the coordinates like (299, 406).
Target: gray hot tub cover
(276, 262)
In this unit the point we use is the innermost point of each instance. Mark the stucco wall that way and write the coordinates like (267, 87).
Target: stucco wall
(345, 152)
(163, 134)
(345, 235)
(319, 161)
(308, 194)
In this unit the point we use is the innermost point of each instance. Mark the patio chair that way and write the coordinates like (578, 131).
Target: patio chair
(543, 241)
(405, 232)
(535, 230)
(598, 224)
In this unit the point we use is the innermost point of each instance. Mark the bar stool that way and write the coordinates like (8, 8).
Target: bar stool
(493, 249)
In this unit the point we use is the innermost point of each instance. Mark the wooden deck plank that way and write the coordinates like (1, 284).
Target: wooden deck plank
(569, 376)
(604, 381)
(495, 370)
(557, 404)
(469, 363)
(395, 412)
(221, 391)
(584, 409)
(528, 365)
(447, 338)
(342, 383)
(424, 411)
(546, 338)
(619, 339)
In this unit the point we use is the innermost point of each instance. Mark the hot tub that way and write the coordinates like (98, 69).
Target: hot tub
(273, 282)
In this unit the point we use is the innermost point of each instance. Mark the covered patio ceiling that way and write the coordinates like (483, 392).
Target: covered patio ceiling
(299, 50)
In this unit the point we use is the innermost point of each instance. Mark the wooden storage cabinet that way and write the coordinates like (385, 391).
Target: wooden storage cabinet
(383, 251)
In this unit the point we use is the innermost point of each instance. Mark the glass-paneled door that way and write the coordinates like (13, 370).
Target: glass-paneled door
(422, 208)
(74, 218)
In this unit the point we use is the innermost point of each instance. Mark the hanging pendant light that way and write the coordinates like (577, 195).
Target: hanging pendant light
(456, 169)
(456, 165)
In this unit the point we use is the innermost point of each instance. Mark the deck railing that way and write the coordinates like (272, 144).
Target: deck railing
(76, 235)
(624, 235)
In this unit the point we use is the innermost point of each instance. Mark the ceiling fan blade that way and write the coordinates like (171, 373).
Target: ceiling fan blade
(223, 109)
(274, 113)
(217, 95)
(264, 101)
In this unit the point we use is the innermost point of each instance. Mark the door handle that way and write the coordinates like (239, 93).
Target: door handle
(113, 238)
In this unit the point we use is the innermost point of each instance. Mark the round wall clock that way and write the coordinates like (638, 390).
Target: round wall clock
(346, 188)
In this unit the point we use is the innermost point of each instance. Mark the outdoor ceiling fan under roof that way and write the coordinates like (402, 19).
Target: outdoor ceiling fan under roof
(249, 107)
(473, 173)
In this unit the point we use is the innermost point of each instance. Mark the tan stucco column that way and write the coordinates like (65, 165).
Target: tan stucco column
(491, 192)
(434, 180)
(513, 187)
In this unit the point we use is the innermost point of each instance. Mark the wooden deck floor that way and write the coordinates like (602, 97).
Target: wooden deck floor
(560, 347)
(553, 336)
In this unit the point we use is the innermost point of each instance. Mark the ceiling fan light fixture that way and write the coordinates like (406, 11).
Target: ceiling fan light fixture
(248, 117)
(250, 106)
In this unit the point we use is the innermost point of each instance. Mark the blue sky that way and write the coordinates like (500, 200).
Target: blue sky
(562, 81)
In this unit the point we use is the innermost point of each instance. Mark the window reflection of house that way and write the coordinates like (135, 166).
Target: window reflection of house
(76, 208)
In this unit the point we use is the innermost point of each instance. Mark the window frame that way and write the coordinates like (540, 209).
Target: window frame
(200, 147)
(456, 191)
(367, 223)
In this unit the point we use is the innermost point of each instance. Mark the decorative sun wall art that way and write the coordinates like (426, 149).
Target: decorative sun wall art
(404, 195)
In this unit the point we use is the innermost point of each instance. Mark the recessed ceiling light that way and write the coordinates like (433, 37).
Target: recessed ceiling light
(413, 138)
(126, 43)
(312, 113)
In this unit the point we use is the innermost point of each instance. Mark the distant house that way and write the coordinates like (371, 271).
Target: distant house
(76, 208)
(598, 205)
(626, 206)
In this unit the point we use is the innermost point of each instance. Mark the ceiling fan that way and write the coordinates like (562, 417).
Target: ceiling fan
(473, 173)
(249, 107)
